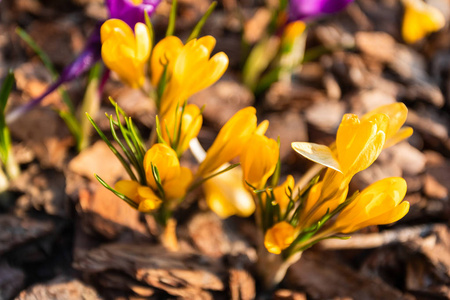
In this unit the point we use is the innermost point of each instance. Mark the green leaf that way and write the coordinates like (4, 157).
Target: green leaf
(7, 86)
(72, 123)
(161, 86)
(113, 149)
(196, 31)
(276, 173)
(47, 63)
(150, 29)
(172, 19)
(42, 55)
(159, 132)
(157, 178)
(121, 196)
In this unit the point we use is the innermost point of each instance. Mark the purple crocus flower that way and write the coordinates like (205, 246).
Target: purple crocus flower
(309, 9)
(129, 12)
(125, 10)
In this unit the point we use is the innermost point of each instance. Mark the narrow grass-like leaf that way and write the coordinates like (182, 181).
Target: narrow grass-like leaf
(159, 132)
(72, 123)
(276, 173)
(7, 86)
(5, 138)
(113, 149)
(196, 31)
(157, 178)
(32, 44)
(120, 195)
(161, 87)
(127, 153)
(172, 18)
(150, 29)
(47, 63)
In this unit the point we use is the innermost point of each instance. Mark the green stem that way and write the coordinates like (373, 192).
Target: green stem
(11, 167)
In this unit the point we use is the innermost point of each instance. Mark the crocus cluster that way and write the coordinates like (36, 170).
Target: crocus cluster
(293, 218)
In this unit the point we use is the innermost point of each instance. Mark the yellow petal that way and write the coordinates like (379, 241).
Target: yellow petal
(397, 113)
(176, 188)
(279, 237)
(165, 52)
(379, 203)
(125, 53)
(226, 195)
(129, 188)
(281, 193)
(259, 159)
(230, 141)
(419, 20)
(317, 153)
(401, 135)
(208, 41)
(117, 29)
(262, 127)
(143, 46)
(359, 143)
(292, 31)
(149, 205)
(165, 159)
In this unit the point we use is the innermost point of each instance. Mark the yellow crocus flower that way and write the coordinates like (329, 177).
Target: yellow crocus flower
(358, 144)
(397, 113)
(380, 203)
(281, 193)
(175, 180)
(226, 195)
(178, 186)
(166, 160)
(191, 123)
(292, 31)
(259, 159)
(322, 199)
(125, 52)
(142, 195)
(189, 68)
(230, 141)
(279, 237)
(165, 53)
(419, 20)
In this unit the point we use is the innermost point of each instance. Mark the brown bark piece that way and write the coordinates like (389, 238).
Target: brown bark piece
(325, 278)
(11, 281)
(42, 189)
(98, 159)
(242, 285)
(222, 100)
(61, 288)
(16, 231)
(184, 275)
(106, 214)
(289, 127)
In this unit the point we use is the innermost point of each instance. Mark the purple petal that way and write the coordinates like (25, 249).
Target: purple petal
(309, 9)
(129, 12)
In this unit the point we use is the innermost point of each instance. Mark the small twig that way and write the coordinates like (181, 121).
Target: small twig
(373, 240)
